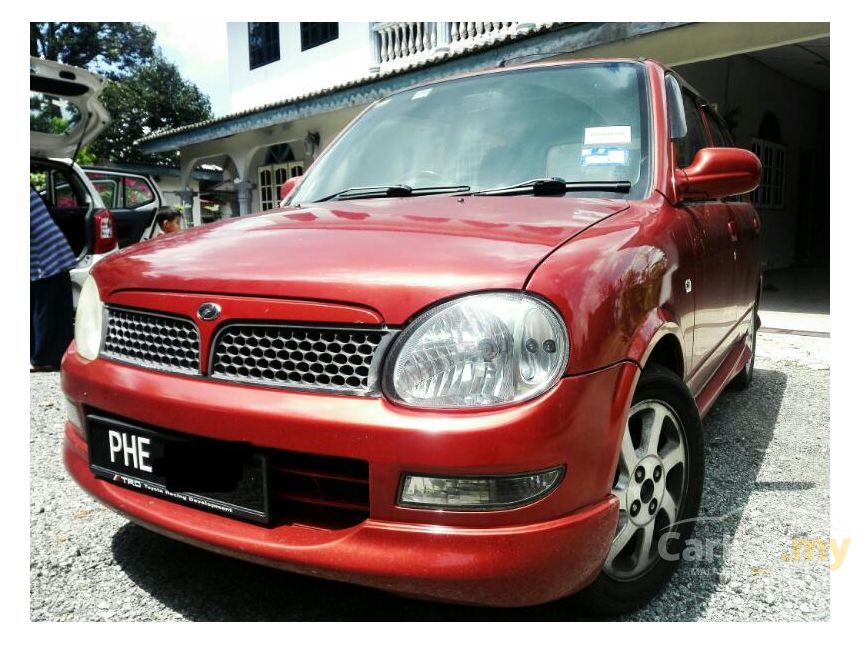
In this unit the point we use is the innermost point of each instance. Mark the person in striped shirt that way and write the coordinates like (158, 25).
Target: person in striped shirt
(51, 308)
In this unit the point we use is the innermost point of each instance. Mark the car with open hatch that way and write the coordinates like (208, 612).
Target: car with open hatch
(65, 115)
(467, 359)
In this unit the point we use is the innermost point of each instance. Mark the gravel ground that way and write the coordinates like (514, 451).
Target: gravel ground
(767, 483)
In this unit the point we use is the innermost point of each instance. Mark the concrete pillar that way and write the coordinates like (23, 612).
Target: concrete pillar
(190, 214)
(243, 192)
(375, 51)
(443, 37)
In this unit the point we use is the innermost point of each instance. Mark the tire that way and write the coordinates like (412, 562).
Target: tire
(744, 378)
(673, 472)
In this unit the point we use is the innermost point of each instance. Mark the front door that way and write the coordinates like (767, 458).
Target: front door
(713, 285)
(745, 229)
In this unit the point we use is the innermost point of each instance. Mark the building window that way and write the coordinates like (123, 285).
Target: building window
(317, 33)
(264, 45)
(771, 191)
(271, 177)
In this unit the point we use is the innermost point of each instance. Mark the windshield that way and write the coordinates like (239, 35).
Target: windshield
(581, 123)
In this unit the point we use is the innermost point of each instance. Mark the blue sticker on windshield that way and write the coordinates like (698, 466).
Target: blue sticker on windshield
(604, 156)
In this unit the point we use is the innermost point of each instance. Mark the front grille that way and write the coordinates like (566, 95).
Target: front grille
(298, 357)
(316, 490)
(152, 340)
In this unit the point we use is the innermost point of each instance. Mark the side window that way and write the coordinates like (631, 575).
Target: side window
(67, 193)
(695, 139)
(136, 192)
(106, 185)
(719, 133)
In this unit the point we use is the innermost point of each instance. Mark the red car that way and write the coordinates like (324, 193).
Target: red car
(467, 359)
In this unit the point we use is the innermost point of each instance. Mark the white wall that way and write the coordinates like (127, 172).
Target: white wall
(297, 72)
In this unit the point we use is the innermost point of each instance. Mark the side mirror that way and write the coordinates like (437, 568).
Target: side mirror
(718, 172)
(288, 187)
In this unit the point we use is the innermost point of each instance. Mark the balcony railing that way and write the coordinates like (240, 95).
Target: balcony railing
(398, 44)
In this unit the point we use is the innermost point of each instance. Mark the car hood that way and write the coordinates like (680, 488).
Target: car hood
(65, 112)
(395, 256)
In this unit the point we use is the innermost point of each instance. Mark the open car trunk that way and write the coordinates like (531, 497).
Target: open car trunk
(65, 115)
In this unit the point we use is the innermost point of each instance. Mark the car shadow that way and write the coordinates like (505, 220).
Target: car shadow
(205, 586)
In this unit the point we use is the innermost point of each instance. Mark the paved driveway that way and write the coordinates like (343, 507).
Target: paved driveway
(767, 480)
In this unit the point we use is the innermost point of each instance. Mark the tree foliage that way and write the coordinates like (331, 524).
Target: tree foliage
(113, 49)
(154, 97)
(147, 92)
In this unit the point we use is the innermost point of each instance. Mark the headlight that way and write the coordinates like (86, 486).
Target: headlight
(88, 321)
(477, 351)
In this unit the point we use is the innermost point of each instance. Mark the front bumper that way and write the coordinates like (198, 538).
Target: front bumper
(509, 557)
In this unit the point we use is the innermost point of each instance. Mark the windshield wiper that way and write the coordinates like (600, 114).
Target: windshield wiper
(557, 186)
(395, 190)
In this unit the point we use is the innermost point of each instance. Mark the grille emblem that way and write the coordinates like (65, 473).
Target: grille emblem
(208, 311)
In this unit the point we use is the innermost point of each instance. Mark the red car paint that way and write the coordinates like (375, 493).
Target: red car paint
(618, 271)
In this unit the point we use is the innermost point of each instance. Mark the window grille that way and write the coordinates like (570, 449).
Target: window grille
(264, 44)
(771, 190)
(317, 33)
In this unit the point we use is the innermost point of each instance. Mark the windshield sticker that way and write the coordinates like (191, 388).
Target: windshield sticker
(420, 94)
(604, 156)
(607, 134)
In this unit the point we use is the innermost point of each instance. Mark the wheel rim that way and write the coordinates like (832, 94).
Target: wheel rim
(650, 485)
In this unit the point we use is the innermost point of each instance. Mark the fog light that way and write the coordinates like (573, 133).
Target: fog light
(477, 493)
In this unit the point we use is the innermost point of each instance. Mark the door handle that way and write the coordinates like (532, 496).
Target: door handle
(732, 232)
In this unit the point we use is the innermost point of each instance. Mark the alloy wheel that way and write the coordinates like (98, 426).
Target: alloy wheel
(650, 484)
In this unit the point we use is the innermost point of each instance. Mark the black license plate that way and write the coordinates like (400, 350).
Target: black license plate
(223, 477)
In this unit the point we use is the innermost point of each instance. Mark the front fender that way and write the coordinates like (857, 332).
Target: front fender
(656, 326)
(619, 287)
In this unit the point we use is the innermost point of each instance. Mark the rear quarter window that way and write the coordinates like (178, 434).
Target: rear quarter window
(107, 188)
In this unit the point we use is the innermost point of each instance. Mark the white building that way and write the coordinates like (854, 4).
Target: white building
(294, 86)
(288, 62)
